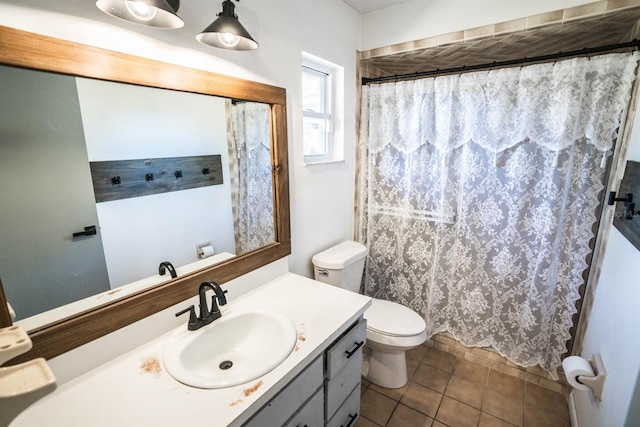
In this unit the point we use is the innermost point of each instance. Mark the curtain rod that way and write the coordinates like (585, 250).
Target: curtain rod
(635, 43)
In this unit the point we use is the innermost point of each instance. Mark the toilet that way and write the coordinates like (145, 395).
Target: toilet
(392, 328)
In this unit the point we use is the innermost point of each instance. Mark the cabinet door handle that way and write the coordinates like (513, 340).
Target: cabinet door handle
(352, 418)
(352, 352)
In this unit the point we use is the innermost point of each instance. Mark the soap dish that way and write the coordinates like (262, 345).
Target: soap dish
(22, 385)
(26, 377)
(14, 341)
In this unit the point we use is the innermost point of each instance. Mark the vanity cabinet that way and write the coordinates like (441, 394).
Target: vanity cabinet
(311, 414)
(343, 375)
(297, 403)
(327, 392)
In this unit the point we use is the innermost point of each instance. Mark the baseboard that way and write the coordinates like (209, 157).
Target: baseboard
(573, 414)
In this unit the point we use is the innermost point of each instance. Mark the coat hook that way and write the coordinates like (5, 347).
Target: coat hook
(557, 56)
(115, 180)
(178, 174)
(148, 177)
(629, 205)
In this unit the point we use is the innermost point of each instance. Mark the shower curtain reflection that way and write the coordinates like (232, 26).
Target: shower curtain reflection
(249, 141)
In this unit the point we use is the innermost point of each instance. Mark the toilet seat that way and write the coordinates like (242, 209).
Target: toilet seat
(393, 320)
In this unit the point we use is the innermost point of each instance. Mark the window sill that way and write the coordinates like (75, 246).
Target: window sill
(324, 162)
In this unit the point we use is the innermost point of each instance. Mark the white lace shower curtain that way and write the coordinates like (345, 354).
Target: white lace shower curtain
(249, 143)
(478, 194)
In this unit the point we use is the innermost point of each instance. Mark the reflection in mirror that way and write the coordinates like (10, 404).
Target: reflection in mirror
(251, 183)
(52, 126)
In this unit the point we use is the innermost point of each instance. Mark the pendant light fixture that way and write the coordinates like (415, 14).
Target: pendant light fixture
(226, 32)
(153, 13)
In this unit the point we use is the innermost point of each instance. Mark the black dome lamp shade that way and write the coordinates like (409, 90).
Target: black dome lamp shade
(152, 13)
(226, 32)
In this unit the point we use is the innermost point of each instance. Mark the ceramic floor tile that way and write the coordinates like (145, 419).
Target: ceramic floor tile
(412, 365)
(547, 400)
(439, 359)
(416, 353)
(535, 417)
(393, 393)
(465, 391)
(506, 384)
(470, 371)
(376, 407)
(504, 407)
(431, 377)
(487, 420)
(457, 414)
(365, 422)
(404, 416)
(421, 399)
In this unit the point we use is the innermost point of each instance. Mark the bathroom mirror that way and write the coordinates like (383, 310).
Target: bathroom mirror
(81, 65)
(74, 128)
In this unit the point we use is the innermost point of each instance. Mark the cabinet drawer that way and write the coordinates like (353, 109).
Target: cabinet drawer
(346, 348)
(292, 396)
(348, 413)
(342, 384)
(311, 414)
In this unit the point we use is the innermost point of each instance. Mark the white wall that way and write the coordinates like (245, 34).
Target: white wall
(135, 122)
(613, 327)
(418, 19)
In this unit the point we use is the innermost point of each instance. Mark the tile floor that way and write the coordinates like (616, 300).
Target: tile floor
(444, 390)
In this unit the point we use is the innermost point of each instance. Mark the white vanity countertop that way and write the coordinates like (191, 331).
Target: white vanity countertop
(136, 390)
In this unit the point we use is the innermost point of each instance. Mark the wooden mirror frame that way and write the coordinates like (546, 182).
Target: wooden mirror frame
(29, 50)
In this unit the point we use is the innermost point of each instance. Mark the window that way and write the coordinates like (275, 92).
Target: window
(322, 140)
(316, 113)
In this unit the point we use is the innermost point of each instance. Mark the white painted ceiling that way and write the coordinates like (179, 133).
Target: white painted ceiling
(366, 6)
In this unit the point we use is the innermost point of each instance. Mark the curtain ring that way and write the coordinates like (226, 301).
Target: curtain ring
(557, 56)
(588, 51)
(462, 70)
(493, 64)
(523, 62)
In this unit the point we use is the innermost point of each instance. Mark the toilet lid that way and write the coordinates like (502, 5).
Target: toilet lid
(390, 318)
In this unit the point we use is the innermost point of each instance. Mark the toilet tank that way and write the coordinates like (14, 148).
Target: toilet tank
(341, 265)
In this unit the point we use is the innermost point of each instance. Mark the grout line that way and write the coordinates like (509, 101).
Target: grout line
(392, 412)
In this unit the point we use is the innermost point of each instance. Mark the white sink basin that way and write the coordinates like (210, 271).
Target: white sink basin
(232, 350)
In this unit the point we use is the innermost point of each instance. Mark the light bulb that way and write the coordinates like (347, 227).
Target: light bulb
(228, 40)
(140, 10)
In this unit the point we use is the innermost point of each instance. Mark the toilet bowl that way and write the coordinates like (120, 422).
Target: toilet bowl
(392, 328)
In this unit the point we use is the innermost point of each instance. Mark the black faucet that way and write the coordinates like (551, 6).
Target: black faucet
(206, 315)
(166, 265)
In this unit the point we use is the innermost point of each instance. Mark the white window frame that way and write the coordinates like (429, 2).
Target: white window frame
(333, 103)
